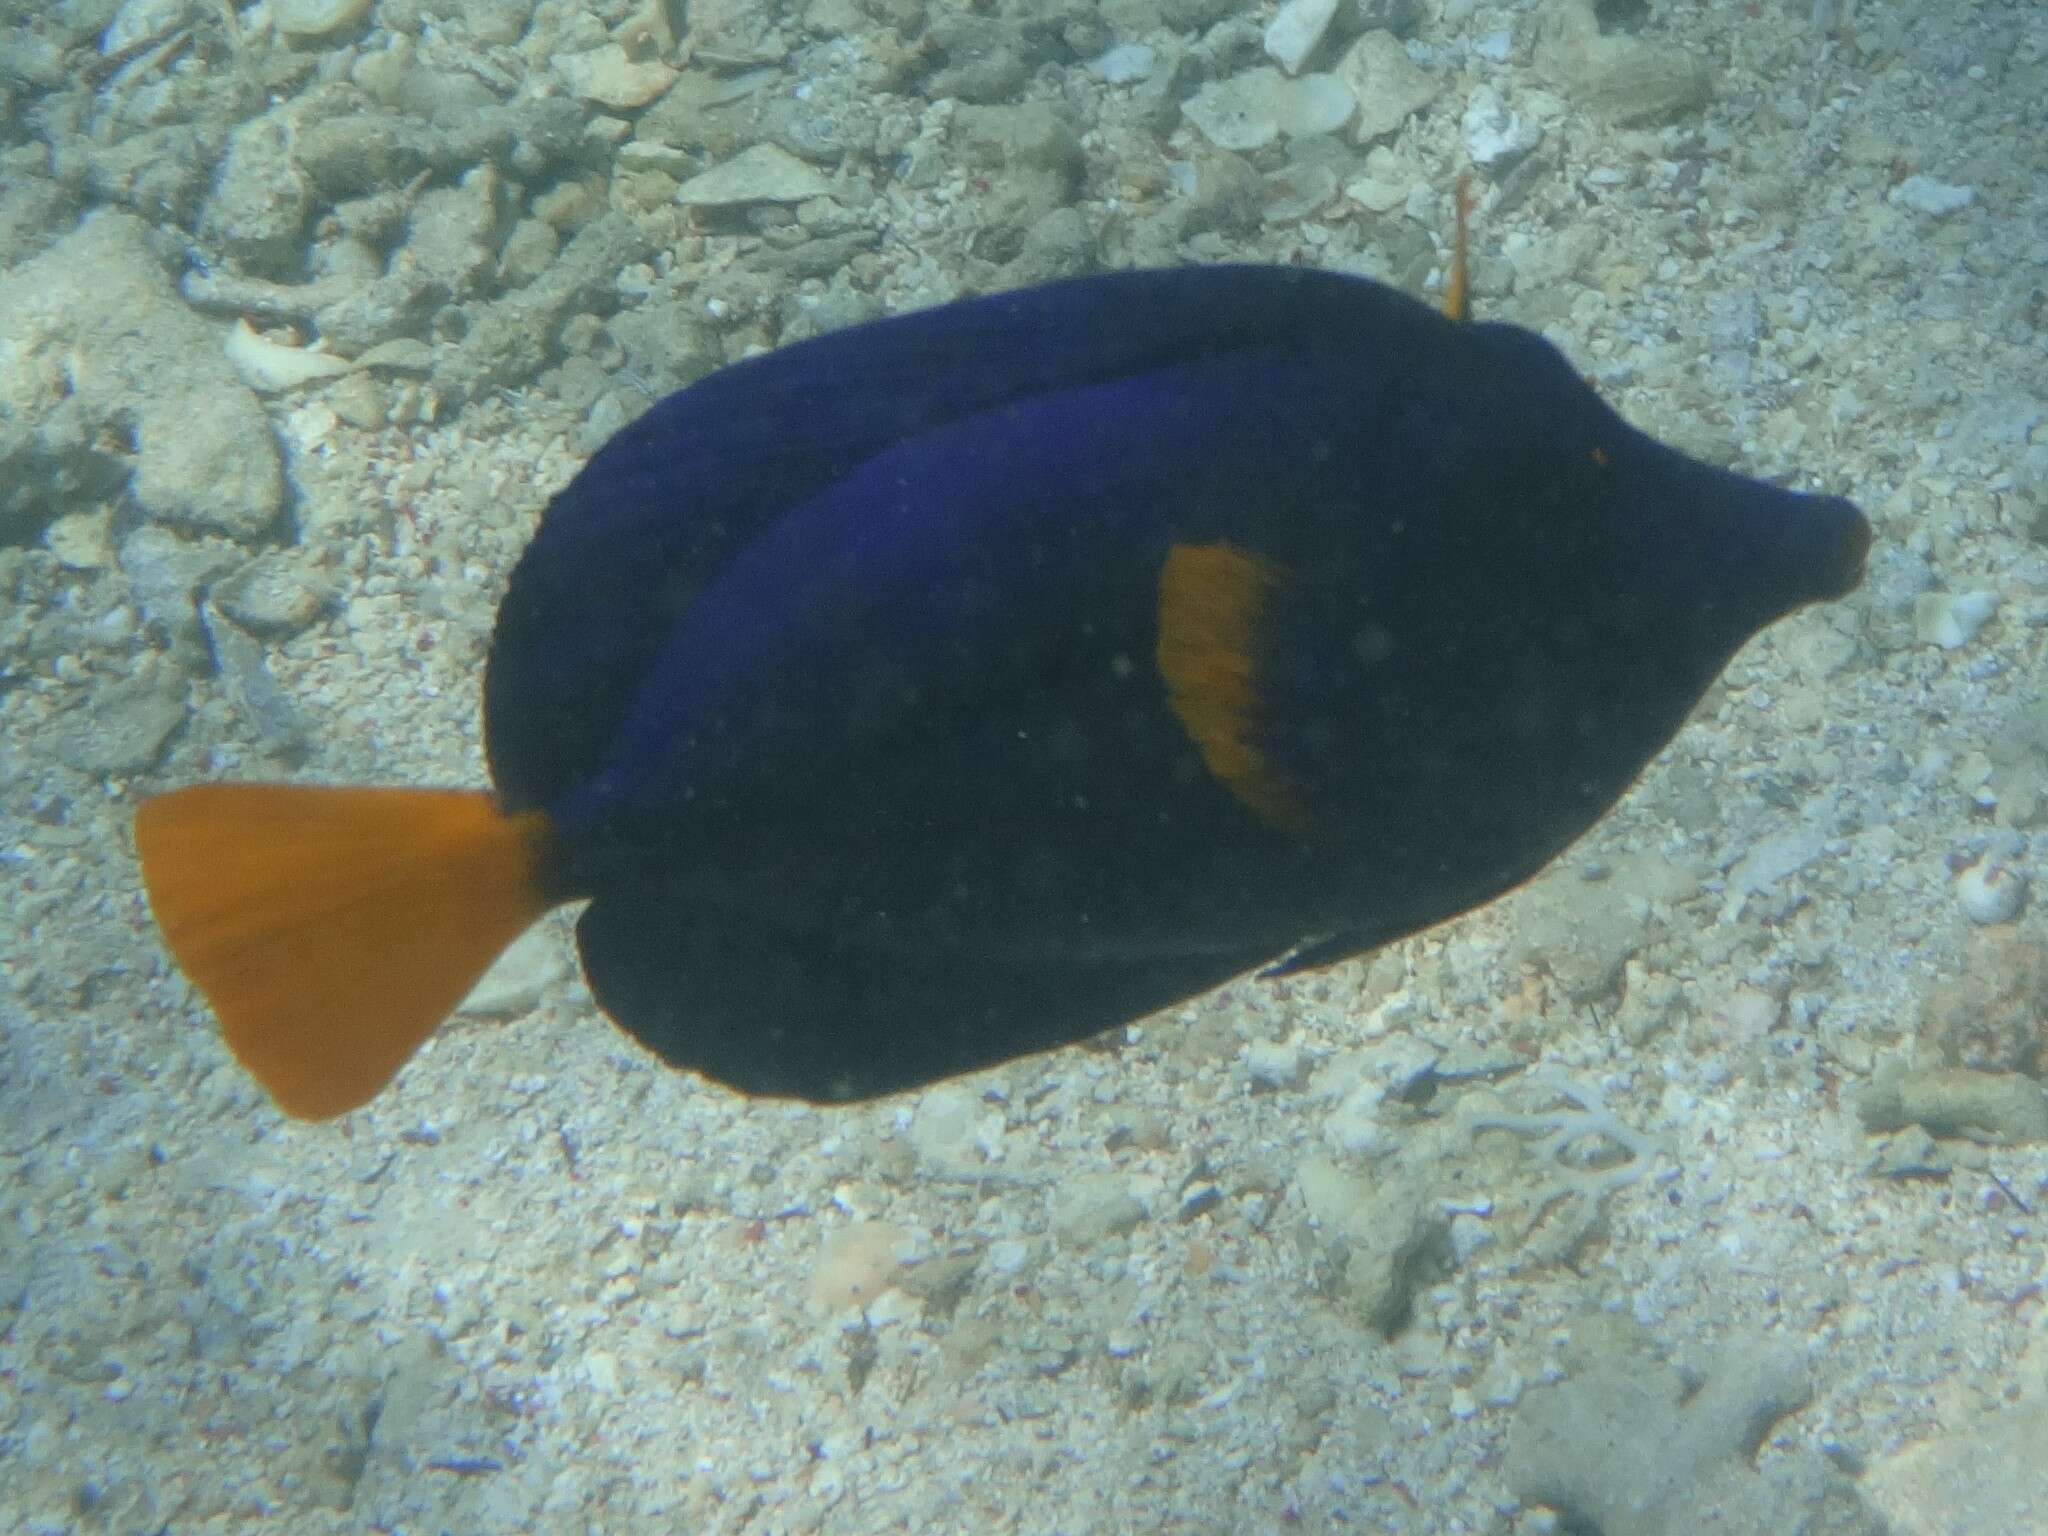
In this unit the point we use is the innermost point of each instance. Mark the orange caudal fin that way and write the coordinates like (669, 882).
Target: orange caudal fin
(333, 929)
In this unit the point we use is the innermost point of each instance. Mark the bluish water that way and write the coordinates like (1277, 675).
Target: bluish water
(1706, 1169)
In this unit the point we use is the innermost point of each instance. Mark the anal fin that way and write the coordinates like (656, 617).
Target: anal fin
(820, 1017)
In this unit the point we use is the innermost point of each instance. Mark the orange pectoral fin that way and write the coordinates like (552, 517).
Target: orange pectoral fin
(1212, 598)
(331, 930)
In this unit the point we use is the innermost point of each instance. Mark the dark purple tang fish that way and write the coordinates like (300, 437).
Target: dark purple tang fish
(966, 683)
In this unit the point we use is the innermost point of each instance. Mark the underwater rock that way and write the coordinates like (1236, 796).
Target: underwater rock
(259, 300)
(1405, 1250)
(138, 23)
(607, 78)
(454, 232)
(374, 314)
(245, 678)
(270, 367)
(1400, 17)
(1031, 136)
(274, 596)
(1094, 1208)
(35, 209)
(1125, 64)
(1769, 862)
(1582, 934)
(705, 115)
(1896, 580)
(260, 201)
(362, 154)
(528, 251)
(317, 20)
(96, 311)
(1275, 1064)
(1387, 1235)
(47, 466)
(124, 726)
(508, 340)
(1991, 892)
(162, 174)
(667, 342)
(81, 541)
(1626, 1446)
(1251, 110)
(953, 1134)
(1910, 1154)
(764, 173)
(447, 119)
(984, 57)
(1033, 163)
(517, 979)
(1936, 199)
(166, 576)
(1354, 1127)
(1385, 83)
(821, 131)
(403, 354)
(1624, 79)
(1496, 137)
(1994, 1107)
(1988, 1015)
(1296, 31)
(1974, 1472)
(1951, 619)
(1058, 244)
(856, 1263)
(1385, 184)
(496, 21)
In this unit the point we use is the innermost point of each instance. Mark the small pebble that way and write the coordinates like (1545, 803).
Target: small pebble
(1936, 199)
(308, 19)
(1273, 1063)
(1295, 31)
(1951, 619)
(610, 78)
(856, 1263)
(1911, 1154)
(1990, 892)
(601, 1369)
(1126, 64)
(1008, 1255)
(1468, 1235)
(519, 978)
(1495, 136)
(81, 541)
(271, 367)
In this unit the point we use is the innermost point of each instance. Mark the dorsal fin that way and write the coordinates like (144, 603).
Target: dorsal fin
(1457, 301)
(1212, 600)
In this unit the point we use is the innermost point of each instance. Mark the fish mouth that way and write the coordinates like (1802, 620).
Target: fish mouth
(1851, 542)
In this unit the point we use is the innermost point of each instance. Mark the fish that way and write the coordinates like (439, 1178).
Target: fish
(964, 684)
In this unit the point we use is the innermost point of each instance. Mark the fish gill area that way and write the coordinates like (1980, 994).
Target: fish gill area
(1702, 1177)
